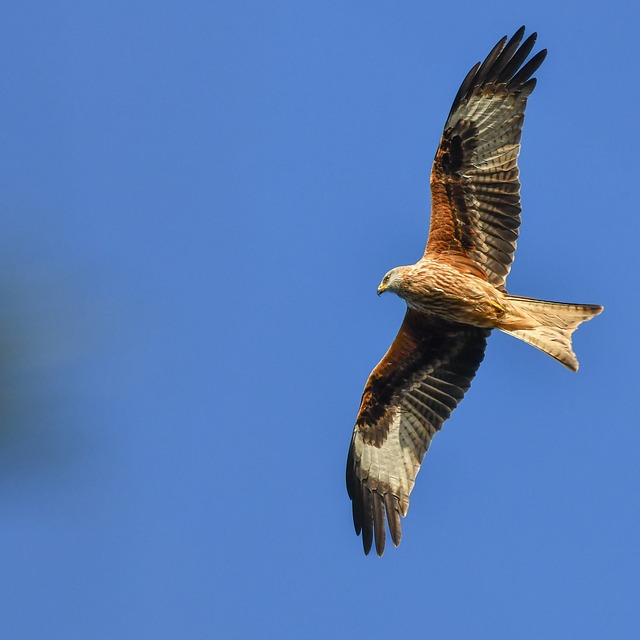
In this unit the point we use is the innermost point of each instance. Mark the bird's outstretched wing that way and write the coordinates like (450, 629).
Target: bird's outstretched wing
(407, 398)
(475, 190)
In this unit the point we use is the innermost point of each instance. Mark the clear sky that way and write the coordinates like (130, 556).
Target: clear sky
(199, 200)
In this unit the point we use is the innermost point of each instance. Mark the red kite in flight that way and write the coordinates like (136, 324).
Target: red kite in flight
(455, 293)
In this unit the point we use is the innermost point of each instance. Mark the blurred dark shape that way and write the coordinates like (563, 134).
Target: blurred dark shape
(39, 349)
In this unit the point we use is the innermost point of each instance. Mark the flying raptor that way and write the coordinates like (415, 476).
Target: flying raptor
(455, 293)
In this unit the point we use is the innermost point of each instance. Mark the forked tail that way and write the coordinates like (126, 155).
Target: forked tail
(558, 320)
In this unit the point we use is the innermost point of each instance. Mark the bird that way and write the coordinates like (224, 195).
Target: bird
(455, 294)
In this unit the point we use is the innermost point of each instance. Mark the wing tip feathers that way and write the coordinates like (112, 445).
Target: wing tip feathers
(369, 508)
(503, 65)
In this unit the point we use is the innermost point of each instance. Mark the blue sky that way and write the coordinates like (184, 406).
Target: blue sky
(198, 202)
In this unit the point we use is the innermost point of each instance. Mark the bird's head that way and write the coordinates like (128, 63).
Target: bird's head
(392, 281)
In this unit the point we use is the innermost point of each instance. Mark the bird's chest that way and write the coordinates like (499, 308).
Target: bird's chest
(454, 296)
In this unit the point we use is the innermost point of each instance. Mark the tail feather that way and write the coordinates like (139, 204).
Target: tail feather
(556, 321)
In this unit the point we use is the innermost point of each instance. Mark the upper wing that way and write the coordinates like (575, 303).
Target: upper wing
(475, 190)
(407, 398)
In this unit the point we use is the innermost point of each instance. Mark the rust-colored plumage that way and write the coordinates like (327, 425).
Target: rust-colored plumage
(455, 294)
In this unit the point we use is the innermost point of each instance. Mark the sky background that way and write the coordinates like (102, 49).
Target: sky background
(198, 201)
